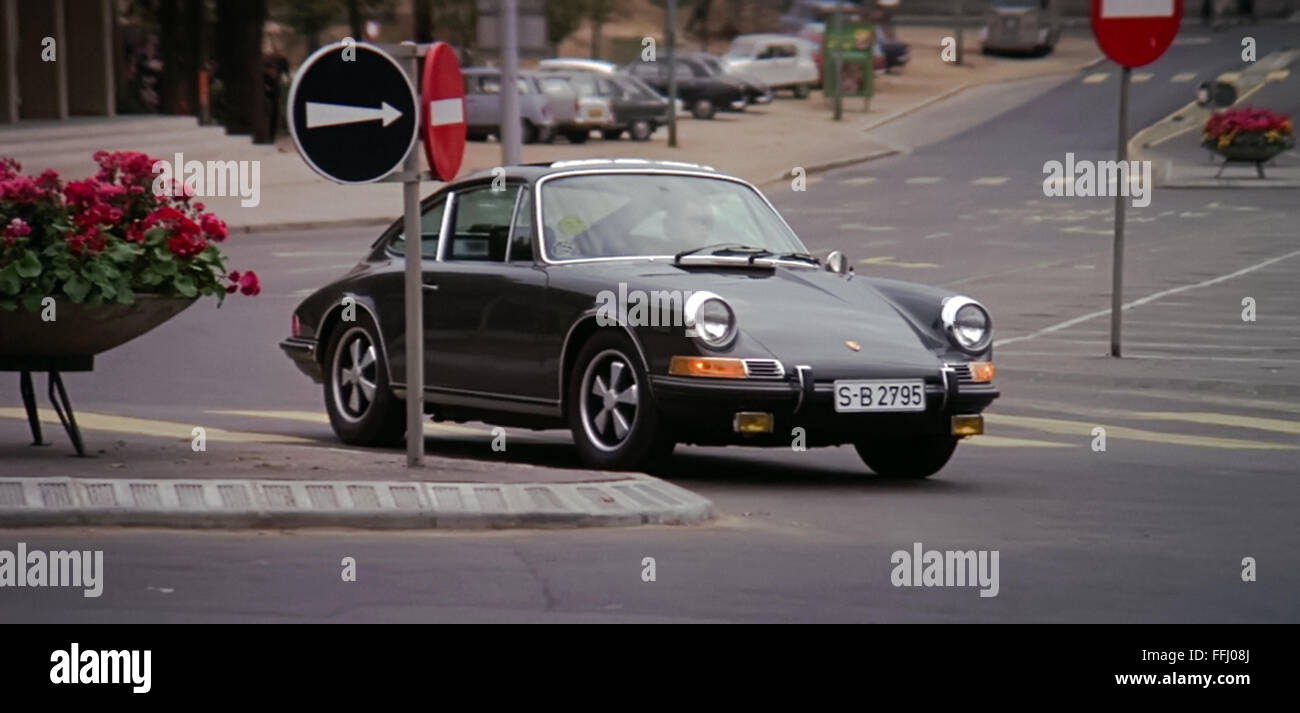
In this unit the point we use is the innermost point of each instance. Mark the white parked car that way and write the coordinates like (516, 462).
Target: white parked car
(780, 61)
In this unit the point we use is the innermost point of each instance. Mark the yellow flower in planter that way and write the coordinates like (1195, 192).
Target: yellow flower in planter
(1272, 136)
(1226, 139)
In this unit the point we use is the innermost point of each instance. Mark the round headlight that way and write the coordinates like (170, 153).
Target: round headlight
(710, 319)
(967, 324)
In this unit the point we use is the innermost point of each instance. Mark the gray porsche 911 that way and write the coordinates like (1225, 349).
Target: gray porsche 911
(643, 304)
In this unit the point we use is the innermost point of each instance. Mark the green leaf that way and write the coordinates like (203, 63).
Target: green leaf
(76, 288)
(10, 284)
(125, 296)
(7, 304)
(32, 301)
(29, 265)
(184, 285)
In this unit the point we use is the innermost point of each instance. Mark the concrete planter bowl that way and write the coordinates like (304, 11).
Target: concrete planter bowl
(1250, 148)
(81, 330)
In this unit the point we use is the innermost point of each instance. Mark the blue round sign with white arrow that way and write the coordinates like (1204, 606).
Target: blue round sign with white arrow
(353, 112)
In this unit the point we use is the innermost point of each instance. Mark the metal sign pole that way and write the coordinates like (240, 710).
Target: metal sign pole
(1117, 259)
(510, 123)
(837, 91)
(414, 290)
(670, 33)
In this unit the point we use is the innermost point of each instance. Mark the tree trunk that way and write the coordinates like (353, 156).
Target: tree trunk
(423, 21)
(354, 20)
(596, 27)
(239, 29)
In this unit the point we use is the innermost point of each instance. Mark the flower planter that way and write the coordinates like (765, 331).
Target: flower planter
(80, 330)
(1248, 152)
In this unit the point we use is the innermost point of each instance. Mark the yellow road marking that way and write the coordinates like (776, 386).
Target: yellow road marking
(1183, 77)
(1096, 78)
(989, 181)
(1277, 75)
(1005, 442)
(1229, 77)
(1083, 429)
(924, 179)
(1276, 425)
(860, 181)
(322, 418)
(1142, 76)
(889, 261)
(148, 427)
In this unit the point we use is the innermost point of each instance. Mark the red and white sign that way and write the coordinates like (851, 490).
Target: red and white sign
(1135, 32)
(442, 94)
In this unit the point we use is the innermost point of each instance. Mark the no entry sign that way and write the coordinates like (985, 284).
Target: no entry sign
(442, 92)
(352, 113)
(1134, 33)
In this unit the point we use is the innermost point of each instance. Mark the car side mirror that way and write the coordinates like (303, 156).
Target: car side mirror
(837, 263)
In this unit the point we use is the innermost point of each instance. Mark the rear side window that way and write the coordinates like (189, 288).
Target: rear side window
(430, 225)
(481, 225)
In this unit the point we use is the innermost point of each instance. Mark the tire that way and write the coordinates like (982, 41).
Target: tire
(577, 136)
(530, 133)
(611, 134)
(703, 109)
(801, 91)
(641, 130)
(376, 419)
(907, 457)
(612, 417)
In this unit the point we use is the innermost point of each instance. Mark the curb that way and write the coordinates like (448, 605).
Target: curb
(1191, 116)
(634, 500)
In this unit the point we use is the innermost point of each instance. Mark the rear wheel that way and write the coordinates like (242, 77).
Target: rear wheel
(614, 421)
(362, 408)
(801, 91)
(703, 109)
(641, 130)
(908, 456)
(530, 134)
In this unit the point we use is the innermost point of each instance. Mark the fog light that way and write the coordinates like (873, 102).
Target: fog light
(981, 371)
(967, 425)
(752, 422)
(716, 367)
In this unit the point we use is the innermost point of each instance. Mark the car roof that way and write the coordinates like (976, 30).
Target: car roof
(593, 65)
(767, 37)
(532, 172)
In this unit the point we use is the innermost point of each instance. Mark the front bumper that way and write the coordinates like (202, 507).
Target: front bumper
(302, 352)
(703, 411)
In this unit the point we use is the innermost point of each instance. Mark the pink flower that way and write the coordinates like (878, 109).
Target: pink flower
(17, 228)
(249, 284)
(213, 227)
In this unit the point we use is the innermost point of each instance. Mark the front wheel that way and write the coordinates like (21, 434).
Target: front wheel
(801, 91)
(362, 408)
(703, 109)
(612, 416)
(907, 457)
(641, 130)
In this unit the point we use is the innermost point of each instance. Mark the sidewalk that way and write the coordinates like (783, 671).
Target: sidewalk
(164, 483)
(761, 145)
(1173, 144)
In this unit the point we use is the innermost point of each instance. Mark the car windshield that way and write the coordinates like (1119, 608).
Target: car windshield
(648, 214)
(635, 88)
(712, 64)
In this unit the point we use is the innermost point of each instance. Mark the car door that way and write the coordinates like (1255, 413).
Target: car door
(482, 309)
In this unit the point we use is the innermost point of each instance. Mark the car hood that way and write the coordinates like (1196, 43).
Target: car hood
(798, 315)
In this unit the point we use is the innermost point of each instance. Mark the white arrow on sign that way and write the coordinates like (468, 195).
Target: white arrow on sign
(320, 114)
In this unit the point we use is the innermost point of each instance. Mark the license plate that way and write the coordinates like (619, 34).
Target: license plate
(857, 396)
(594, 113)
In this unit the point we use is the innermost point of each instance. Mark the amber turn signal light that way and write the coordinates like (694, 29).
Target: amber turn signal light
(982, 371)
(715, 367)
(967, 425)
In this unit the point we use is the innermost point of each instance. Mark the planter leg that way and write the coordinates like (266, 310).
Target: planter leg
(1259, 168)
(59, 397)
(29, 403)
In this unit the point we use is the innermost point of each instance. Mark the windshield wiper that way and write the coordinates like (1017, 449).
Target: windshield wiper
(802, 257)
(724, 249)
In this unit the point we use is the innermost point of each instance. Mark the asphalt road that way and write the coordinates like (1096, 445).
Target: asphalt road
(1202, 418)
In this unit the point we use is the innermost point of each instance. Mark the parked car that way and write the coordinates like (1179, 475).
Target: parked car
(599, 65)
(1022, 26)
(561, 101)
(536, 316)
(701, 90)
(637, 109)
(780, 61)
(757, 91)
(483, 106)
